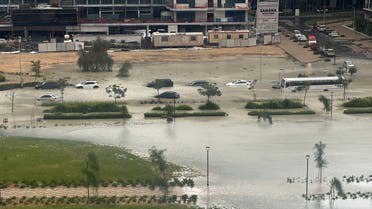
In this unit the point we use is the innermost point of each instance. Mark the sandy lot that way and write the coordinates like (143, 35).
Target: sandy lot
(9, 63)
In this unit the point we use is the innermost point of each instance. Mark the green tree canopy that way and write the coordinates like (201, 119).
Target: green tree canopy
(124, 69)
(209, 90)
(96, 59)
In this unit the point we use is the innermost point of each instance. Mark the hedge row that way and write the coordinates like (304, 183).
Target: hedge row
(184, 114)
(100, 200)
(104, 183)
(359, 102)
(358, 111)
(86, 107)
(8, 86)
(209, 106)
(274, 104)
(170, 107)
(93, 115)
(284, 112)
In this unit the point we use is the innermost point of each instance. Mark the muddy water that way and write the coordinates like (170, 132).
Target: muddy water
(249, 161)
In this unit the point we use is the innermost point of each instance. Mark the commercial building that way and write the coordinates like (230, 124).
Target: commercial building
(53, 18)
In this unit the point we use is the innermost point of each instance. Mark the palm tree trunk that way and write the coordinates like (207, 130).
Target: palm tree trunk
(305, 97)
(208, 99)
(321, 175)
(344, 93)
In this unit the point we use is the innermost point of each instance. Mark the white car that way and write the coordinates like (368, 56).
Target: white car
(302, 38)
(348, 64)
(87, 85)
(240, 83)
(48, 98)
(333, 34)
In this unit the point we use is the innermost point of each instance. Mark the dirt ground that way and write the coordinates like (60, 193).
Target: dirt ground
(9, 63)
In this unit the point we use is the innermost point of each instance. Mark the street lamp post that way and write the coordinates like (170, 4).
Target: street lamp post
(207, 148)
(307, 176)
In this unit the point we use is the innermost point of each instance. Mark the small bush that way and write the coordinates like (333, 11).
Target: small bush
(96, 115)
(85, 107)
(2, 78)
(209, 106)
(170, 107)
(184, 114)
(359, 102)
(300, 112)
(358, 111)
(274, 104)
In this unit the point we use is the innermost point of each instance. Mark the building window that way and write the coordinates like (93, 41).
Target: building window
(164, 38)
(193, 38)
(228, 36)
(215, 36)
(241, 36)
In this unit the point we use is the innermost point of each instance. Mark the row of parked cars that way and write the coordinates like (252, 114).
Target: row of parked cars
(325, 30)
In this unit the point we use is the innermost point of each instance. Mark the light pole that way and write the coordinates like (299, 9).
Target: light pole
(207, 148)
(307, 176)
(324, 12)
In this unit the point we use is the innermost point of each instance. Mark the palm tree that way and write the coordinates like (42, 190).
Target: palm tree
(306, 88)
(335, 186)
(345, 85)
(326, 103)
(319, 159)
(157, 158)
(91, 171)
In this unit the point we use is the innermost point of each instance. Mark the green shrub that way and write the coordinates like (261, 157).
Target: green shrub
(170, 107)
(358, 111)
(86, 107)
(359, 102)
(274, 104)
(2, 78)
(94, 115)
(284, 112)
(209, 106)
(8, 86)
(184, 114)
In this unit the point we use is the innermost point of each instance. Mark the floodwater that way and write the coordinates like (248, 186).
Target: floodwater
(249, 161)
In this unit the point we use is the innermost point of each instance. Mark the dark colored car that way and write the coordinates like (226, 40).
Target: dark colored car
(199, 83)
(48, 85)
(168, 95)
(167, 83)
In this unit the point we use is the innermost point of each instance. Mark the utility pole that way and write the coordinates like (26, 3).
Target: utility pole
(331, 105)
(20, 61)
(324, 12)
(207, 148)
(307, 177)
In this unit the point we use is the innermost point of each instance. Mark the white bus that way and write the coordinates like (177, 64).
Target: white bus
(314, 83)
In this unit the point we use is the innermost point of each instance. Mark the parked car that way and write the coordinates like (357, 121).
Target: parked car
(333, 34)
(321, 28)
(239, 83)
(348, 64)
(167, 83)
(48, 98)
(199, 83)
(48, 85)
(276, 86)
(87, 85)
(329, 53)
(168, 95)
(302, 38)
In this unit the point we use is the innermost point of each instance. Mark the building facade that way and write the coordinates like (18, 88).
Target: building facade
(368, 9)
(119, 16)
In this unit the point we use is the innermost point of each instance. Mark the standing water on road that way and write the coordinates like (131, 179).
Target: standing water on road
(249, 161)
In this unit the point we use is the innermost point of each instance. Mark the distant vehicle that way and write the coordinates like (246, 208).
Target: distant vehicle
(199, 83)
(302, 38)
(329, 53)
(348, 64)
(239, 83)
(87, 85)
(322, 10)
(48, 85)
(167, 83)
(2, 41)
(168, 95)
(276, 86)
(48, 98)
(334, 34)
(321, 28)
(314, 83)
(311, 40)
